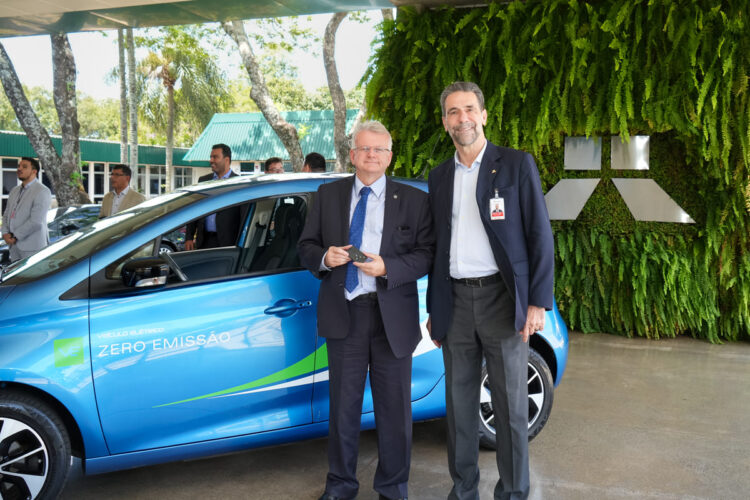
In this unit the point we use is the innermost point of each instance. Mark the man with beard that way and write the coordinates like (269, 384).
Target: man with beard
(219, 229)
(25, 217)
(490, 284)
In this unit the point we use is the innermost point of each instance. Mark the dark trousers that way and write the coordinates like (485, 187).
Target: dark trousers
(390, 379)
(210, 240)
(483, 325)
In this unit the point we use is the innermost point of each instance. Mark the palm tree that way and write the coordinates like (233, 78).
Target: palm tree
(182, 82)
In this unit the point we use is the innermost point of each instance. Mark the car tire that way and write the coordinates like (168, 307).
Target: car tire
(165, 247)
(541, 395)
(30, 427)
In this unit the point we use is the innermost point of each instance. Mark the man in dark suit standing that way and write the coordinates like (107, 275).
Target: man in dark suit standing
(368, 311)
(219, 229)
(489, 287)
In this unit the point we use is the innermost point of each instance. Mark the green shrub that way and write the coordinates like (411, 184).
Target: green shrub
(674, 70)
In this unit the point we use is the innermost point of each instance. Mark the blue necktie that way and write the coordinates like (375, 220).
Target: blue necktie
(355, 236)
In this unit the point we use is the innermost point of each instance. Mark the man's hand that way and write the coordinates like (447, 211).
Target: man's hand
(9, 240)
(437, 343)
(534, 322)
(189, 245)
(374, 267)
(337, 256)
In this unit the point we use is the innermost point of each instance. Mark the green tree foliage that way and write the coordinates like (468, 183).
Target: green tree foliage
(178, 67)
(675, 70)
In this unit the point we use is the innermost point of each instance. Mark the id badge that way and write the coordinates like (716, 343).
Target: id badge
(497, 208)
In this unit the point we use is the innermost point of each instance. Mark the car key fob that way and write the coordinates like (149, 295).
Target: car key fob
(356, 254)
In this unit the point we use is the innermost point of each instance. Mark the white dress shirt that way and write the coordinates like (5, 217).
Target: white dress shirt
(372, 233)
(471, 253)
(117, 199)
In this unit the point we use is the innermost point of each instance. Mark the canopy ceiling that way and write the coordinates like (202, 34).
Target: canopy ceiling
(29, 17)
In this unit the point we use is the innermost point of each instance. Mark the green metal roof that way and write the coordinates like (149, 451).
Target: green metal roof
(17, 144)
(252, 138)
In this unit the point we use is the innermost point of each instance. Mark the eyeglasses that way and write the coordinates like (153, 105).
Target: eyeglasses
(366, 150)
(117, 174)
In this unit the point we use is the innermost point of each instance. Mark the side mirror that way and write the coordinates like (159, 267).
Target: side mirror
(145, 272)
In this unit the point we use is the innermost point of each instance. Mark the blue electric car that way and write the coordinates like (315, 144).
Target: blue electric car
(125, 356)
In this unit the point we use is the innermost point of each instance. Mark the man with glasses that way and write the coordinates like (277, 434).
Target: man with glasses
(368, 309)
(121, 196)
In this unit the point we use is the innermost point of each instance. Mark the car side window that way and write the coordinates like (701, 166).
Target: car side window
(271, 243)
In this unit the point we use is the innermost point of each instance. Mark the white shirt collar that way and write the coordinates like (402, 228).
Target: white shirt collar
(123, 192)
(378, 187)
(477, 160)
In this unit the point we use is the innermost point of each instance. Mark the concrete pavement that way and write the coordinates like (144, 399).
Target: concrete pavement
(632, 419)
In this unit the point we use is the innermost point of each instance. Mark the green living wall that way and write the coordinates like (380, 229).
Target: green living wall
(674, 70)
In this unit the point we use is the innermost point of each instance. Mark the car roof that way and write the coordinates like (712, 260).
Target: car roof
(238, 182)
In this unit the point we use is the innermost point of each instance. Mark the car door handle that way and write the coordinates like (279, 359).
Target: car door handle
(287, 307)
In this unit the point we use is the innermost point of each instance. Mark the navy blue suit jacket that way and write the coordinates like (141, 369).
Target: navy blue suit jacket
(407, 247)
(521, 243)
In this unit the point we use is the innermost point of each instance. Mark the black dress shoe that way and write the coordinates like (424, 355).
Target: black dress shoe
(383, 497)
(326, 496)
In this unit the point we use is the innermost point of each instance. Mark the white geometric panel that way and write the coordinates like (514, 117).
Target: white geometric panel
(583, 153)
(649, 202)
(566, 198)
(630, 156)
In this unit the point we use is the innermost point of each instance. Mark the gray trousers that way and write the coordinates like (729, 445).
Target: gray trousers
(483, 326)
(15, 254)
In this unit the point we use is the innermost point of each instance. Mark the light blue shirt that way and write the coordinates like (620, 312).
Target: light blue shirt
(211, 219)
(372, 233)
(471, 253)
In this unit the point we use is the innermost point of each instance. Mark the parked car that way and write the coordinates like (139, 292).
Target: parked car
(124, 356)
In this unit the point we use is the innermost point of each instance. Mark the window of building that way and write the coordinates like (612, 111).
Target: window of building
(183, 176)
(9, 178)
(100, 182)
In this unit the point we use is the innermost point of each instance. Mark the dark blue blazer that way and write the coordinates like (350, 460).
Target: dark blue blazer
(406, 246)
(521, 243)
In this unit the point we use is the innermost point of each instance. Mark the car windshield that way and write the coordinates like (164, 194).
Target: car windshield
(87, 240)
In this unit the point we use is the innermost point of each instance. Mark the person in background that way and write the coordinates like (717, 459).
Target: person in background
(25, 218)
(274, 165)
(121, 196)
(221, 228)
(314, 162)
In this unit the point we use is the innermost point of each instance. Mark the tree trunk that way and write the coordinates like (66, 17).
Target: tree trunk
(64, 95)
(170, 138)
(123, 98)
(132, 104)
(340, 142)
(387, 14)
(30, 123)
(261, 96)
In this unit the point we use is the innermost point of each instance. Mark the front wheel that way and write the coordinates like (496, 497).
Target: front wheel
(541, 389)
(34, 449)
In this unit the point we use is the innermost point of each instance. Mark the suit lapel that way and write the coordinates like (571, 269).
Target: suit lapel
(444, 191)
(488, 170)
(345, 197)
(390, 212)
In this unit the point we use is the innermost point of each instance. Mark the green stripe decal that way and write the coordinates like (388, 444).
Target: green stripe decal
(302, 367)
